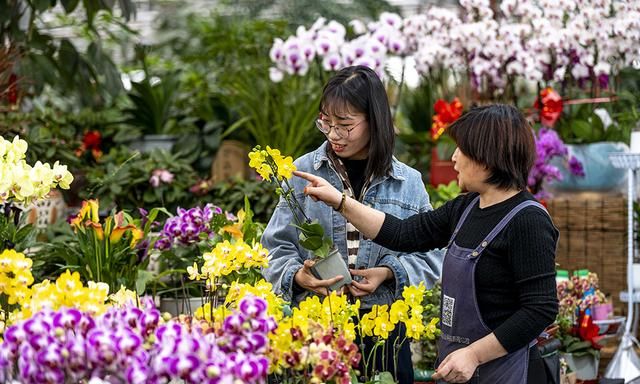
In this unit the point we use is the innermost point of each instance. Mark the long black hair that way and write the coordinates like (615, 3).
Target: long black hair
(360, 88)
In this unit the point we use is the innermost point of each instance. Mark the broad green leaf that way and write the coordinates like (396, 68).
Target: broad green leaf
(69, 5)
(310, 243)
(144, 277)
(385, 378)
(582, 129)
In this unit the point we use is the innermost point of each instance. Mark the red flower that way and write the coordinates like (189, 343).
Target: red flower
(588, 331)
(13, 89)
(551, 106)
(92, 140)
(445, 114)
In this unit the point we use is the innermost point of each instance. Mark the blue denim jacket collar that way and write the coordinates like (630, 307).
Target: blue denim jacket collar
(320, 156)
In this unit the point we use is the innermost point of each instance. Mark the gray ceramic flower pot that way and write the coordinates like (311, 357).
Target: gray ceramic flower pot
(178, 306)
(150, 142)
(332, 266)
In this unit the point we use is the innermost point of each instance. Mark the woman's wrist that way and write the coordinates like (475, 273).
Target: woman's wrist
(341, 204)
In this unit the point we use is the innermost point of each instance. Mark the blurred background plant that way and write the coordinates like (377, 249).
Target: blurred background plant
(130, 180)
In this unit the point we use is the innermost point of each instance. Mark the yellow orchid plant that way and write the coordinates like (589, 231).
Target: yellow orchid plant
(325, 327)
(20, 185)
(275, 168)
(20, 298)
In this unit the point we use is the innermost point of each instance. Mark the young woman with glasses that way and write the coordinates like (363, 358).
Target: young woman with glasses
(357, 159)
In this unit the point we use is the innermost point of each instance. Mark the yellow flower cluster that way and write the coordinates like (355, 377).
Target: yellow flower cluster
(334, 312)
(270, 162)
(237, 291)
(67, 291)
(382, 320)
(21, 182)
(227, 258)
(295, 343)
(15, 276)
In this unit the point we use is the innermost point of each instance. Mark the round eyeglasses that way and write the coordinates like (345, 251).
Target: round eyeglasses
(341, 130)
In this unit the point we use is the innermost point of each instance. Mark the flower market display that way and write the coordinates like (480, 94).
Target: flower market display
(144, 149)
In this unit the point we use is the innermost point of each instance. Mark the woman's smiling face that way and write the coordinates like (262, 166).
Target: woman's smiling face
(347, 132)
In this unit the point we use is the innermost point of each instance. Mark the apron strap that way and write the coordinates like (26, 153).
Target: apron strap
(503, 223)
(463, 218)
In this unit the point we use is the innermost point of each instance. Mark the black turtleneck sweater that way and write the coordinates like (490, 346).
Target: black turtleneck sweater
(355, 171)
(515, 276)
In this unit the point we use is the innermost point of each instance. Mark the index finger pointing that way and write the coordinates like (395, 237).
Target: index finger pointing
(305, 175)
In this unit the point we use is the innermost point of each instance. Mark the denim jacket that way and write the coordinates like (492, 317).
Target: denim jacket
(401, 194)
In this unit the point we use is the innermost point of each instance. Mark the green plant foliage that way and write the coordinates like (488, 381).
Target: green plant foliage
(151, 104)
(99, 254)
(416, 112)
(14, 232)
(122, 179)
(443, 193)
(230, 196)
(431, 305)
(224, 63)
(579, 124)
(39, 59)
(303, 12)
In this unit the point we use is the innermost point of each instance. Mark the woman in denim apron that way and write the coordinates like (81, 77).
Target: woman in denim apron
(357, 158)
(498, 278)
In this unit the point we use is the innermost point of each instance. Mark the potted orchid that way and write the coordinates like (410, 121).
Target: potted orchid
(111, 249)
(205, 244)
(22, 184)
(278, 169)
(579, 334)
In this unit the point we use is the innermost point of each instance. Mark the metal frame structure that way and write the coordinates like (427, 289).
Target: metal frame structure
(625, 364)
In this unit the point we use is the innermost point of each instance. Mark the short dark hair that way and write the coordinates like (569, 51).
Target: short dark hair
(361, 88)
(499, 137)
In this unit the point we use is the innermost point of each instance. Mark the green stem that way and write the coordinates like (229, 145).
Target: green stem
(400, 86)
(295, 200)
(396, 352)
(362, 336)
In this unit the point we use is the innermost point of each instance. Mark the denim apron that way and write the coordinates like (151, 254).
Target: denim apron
(460, 319)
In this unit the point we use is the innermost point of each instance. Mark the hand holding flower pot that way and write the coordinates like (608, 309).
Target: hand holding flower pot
(328, 263)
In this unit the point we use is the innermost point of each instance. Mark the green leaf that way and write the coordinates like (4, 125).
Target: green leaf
(582, 129)
(581, 345)
(385, 378)
(311, 229)
(597, 128)
(69, 5)
(144, 277)
(353, 376)
(41, 5)
(324, 250)
(311, 243)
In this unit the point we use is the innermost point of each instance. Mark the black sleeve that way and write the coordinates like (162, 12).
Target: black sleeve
(532, 239)
(421, 232)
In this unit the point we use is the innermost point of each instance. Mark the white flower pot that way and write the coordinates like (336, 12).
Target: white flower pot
(332, 266)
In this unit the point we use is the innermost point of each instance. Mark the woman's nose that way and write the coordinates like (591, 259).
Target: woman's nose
(333, 135)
